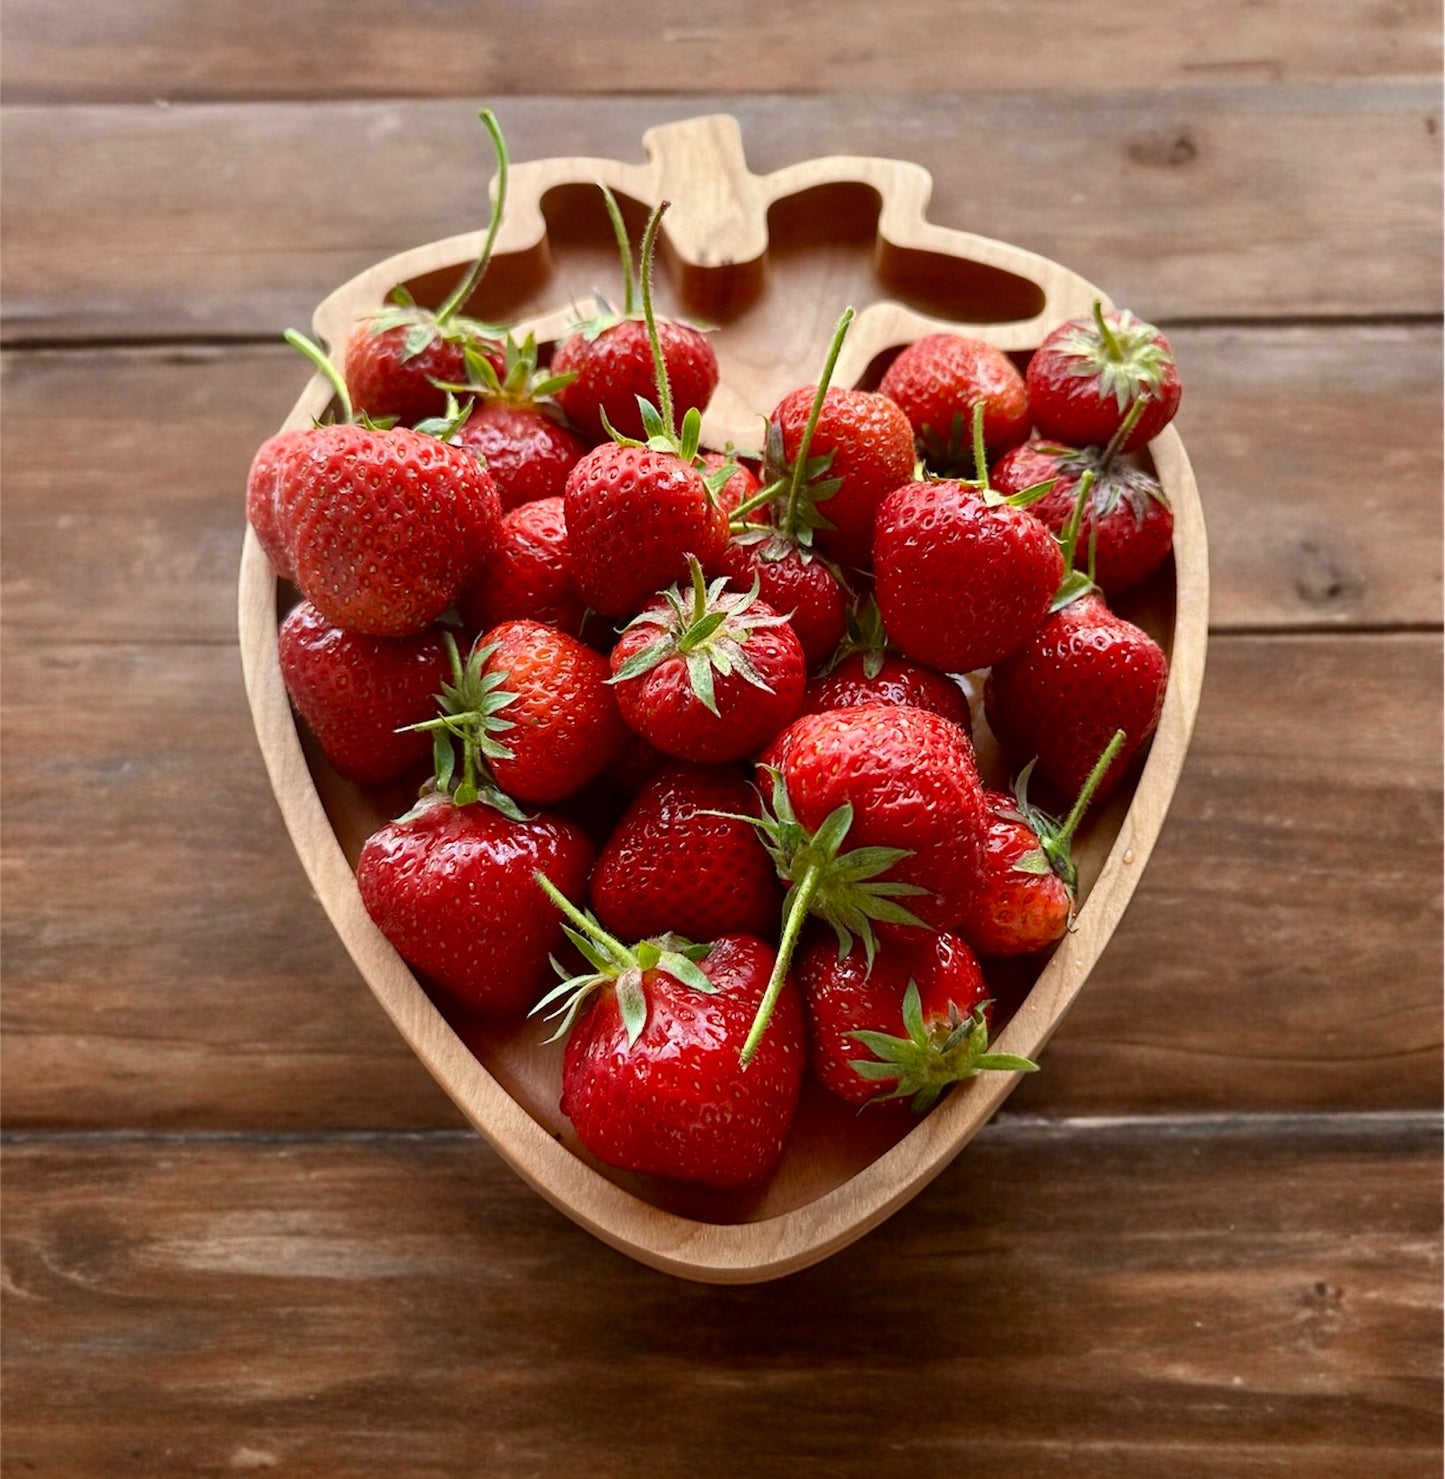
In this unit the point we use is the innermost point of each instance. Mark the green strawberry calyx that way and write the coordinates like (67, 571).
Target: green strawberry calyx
(424, 325)
(708, 629)
(847, 890)
(622, 967)
(1121, 351)
(863, 634)
(471, 718)
(522, 383)
(1054, 853)
(929, 1057)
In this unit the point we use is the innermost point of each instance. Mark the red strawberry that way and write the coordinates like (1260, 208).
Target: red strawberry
(614, 360)
(672, 863)
(540, 702)
(1087, 374)
(792, 580)
(908, 1027)
(384, 528)
(1085, 673)
(451, 887)
(860, 450)
(858, 679)
(528, 573)
(356, 692)
(394, 356)
(711, 678)
(1127, 524)
(962, 575)
(1030, 881)
(939, 379)
(261, 485)
(652, 1076)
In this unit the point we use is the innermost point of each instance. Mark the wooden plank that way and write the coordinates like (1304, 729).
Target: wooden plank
(404, 1305)
(146, 49)
(1282, 951)
(1231, 201)
(132, 531)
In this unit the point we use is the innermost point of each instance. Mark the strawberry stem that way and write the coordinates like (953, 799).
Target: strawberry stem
(317, 356)
(1057, 844)
(1109, 338)
(788, 527)
(796, 910)
(1070, 537)
(468, 285)
(1130, 421)
(624, 248)
(664, 387)
(589, 926)
(980, 452)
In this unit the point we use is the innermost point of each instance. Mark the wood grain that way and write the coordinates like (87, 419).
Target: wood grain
(1228, 201)
(131, 533)
(141, 50)
(1283, 949)
(403, 1305)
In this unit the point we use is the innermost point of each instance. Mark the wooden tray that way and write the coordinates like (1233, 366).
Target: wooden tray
(770, 261)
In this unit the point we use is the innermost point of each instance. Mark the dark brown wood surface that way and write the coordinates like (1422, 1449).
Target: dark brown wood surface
(244, 1231)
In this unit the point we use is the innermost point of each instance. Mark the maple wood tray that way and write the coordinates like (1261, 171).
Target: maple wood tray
(770, 261)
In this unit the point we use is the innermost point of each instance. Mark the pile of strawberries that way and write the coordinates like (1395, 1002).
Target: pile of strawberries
(689, 719)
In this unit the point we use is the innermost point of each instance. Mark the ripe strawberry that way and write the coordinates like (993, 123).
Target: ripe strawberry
(962, 575)
(358, 694)
(907, 1028)
(261, 485)
(516, 426)
(1087, 374)
(527, 573)
(1030, 881)
(1127, 524)
(674, 863)
(1085, 673)
(537, 703)
(394, 356)
(939, 379)
(614, 360)
(709, 679)
(793, 580)
(652, 1077)
(451, 887)
(866, 669)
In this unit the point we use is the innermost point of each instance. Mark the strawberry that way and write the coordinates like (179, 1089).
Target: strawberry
(906, 1028)
(709, 679)
(962, 574)
(674, 863)
(1127, 525)
(938, 379)
(652, 1077)
(359, 694)
(383, 527)
(866, 669)
(791, 579)
(395, 356)
(615, 359)
(527, 573)
(261, 485)
(516, 426)
(636, 511)
(536, 703)
(1087, 374)
(451, 887)
(1083, 674)
(1030, 882)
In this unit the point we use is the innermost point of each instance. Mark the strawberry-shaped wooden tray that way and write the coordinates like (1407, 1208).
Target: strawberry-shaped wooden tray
(770, 261)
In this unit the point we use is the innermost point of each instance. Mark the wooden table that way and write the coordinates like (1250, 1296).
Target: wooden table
(244, 1231)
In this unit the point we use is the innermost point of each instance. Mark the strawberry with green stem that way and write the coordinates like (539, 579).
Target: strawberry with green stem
(616, 359)
(382, 526)
(962, 573)
(450, 883)
(709, 675)
(1030, 884)
(651, 1077)
(636, 510)
(395, 356)
(1088, 373)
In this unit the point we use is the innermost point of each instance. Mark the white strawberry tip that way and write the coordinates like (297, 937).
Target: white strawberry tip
(927, 1060)
(613, 964)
